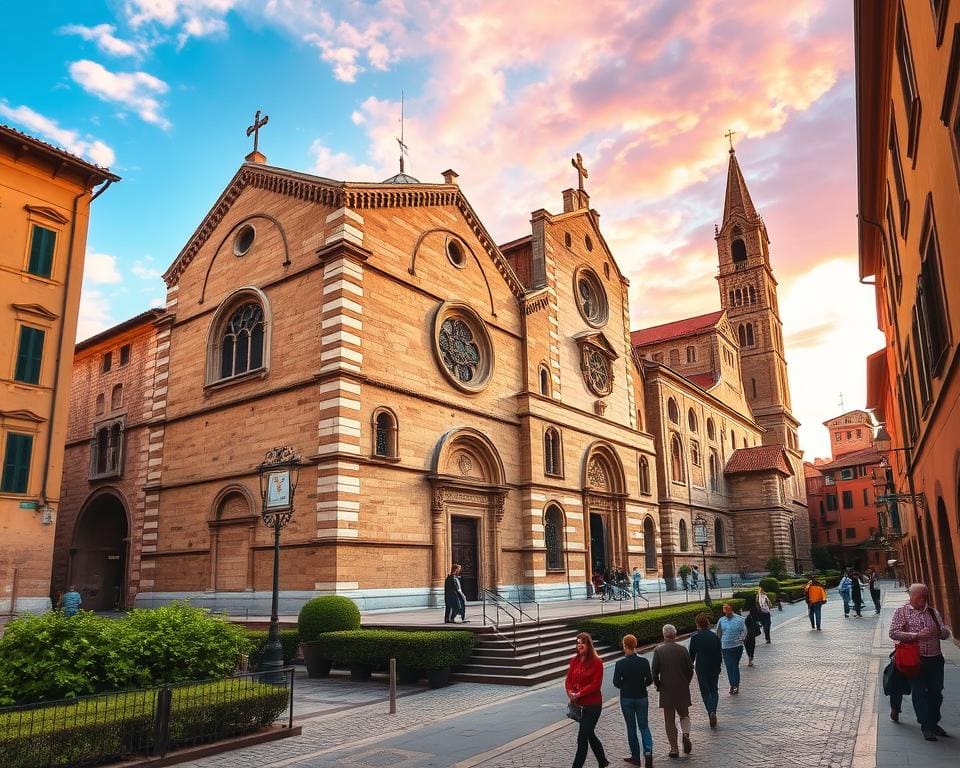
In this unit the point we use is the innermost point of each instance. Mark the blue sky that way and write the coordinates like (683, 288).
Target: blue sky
(163, 90)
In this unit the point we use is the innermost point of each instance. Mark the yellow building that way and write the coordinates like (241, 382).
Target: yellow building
(45, 196)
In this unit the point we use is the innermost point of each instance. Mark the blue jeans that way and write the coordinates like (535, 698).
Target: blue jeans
(846, 603)
(635, 716)
(927, 691)
(636, 587)
(814, 612)
(709, 680)
(731, 660)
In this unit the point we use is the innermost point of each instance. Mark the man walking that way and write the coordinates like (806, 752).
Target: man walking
(451, 595)
(918, 622)
(874, 584)
(70, 602)
(695, 577)
(845, 588)
(632, 675)
(636, 580)
(672, 673)
(732, 629)
(816, 596)
(705, 653)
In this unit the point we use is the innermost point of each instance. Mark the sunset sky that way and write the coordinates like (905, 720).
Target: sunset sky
(504, 93)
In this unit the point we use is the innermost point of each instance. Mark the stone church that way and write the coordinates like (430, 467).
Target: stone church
(452, 400)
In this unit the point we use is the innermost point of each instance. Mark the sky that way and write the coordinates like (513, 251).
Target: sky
(505, 93)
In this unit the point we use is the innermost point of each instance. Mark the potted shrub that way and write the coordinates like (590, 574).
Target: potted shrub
(684, 572)
(714, 570)
(330, 613)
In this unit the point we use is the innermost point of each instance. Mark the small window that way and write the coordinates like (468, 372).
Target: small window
(567, 240)
(714, 472)
(606, 270)
(456, 254)
(673, 412)
(753, 388)
(385, 434)
(831, 502)
(695, 453)
(711, 429)
(42, 243)
(244, 240)
(851, 533)
(739, 252)
(848, 499)
(116, 397)
(692, 420)
(691, 354)
(719, 537)
(644, 476)
(836, 436)
(106, 362)
(124, 355)
(588, 242)
(859, 433)
(849, 435)
(16, 463)
(677, 473)
(658, 357)
(684, 538)
(29, 355)
(649, 545)
(733, 439)
(866, 498)
(106, 450)
(552, 458)
(553, 538)
(544, 381)
(101, 407)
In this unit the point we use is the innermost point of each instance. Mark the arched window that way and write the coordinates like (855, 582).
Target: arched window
(692, 420)
(649, 545)
(695, 453)
(674, 357)
(644, 476)
(684, 539)
(116, 397)
(718, 537)
(750, 340)
(553, 537)
(738, 250)
(732, 294)
(384, 434)
(544, 381)
(714, 472)
(691, 354)
(711, 429)
(552, 459)
(100, 405)
(673, 412)
(102, 451)
(739, 295)
(676, 460)
(753, 295)
(742, 335)
(239, 339)
(744, 442)
(753, 386)
(733, 440)
(106, 450)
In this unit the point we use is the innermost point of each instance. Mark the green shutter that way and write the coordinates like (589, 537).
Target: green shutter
(16, 463)
(41, 251)
(29, 355)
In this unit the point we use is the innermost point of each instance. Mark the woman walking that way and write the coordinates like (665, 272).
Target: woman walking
(856, 593)
(632, 675)
(754, 628)
(766, 617)
(584, 678)
(874, 585)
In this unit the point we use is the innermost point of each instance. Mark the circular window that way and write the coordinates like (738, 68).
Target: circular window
(455, 253)
(598, 373)
(463, 347)
(243, 240)
(591, 298)
(588, 242)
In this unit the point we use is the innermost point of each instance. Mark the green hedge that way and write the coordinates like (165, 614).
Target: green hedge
(415, 650)
(116, 726)
(750, 595)
(53, 656)
(647, 625)
(770, 584)
(289, 639)
(329, 613)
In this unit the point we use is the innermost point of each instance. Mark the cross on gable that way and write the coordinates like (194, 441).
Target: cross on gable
(255, 128)
(582, 174)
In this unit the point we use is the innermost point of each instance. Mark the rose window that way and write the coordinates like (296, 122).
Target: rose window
(461, 354)
(598, 372)
(462, 347)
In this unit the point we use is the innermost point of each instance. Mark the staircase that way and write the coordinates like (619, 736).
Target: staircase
(543, 652)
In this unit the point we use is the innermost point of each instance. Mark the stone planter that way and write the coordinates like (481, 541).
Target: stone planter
(317, 666)
(437, 678)
(360, 672)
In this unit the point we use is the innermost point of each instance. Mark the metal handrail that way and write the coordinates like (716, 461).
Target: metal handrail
(520, 593)
(497, 600)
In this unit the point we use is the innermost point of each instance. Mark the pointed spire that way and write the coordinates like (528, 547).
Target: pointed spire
(737, 197)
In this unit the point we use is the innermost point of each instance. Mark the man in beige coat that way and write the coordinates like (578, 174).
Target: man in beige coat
(672, 673)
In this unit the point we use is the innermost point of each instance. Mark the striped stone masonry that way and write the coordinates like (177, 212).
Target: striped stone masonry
(553, 323)
(628, 362)
(341, 359)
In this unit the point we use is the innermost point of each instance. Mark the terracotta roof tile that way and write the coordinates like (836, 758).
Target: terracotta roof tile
(761, 458)
(54, 150)
(675, 330)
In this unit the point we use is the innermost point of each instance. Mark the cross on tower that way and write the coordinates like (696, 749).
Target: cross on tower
(255, 128)
(729, 136)
(582, 174)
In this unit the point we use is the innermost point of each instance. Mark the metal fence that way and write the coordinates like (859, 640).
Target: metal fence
(91, 730)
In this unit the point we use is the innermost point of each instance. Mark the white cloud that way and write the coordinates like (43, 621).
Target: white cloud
(135, 90)
(101, 268)
(102, 35)
(195, 18)
(339, 165)
(144, 269)
(88, 147)
(96, 313)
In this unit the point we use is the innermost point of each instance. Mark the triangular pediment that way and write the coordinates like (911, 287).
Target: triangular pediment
(598, 340)
(47, 213)
(21, 415)
(35, 309)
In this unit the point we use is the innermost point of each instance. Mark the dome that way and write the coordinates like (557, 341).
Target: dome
(401, 178)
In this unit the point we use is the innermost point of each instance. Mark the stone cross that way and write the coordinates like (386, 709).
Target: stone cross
(255, 128)
(581, 170)
(729, 136)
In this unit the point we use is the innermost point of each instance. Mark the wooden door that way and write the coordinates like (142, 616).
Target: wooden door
(466, 552)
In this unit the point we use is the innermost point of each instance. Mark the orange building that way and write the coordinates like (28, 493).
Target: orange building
(45, 196)
(908, 129)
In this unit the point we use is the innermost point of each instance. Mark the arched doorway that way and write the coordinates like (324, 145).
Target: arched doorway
(98, 557)
(233, 531)
(604, 503)
(932, 575)
(951, 587)
(598, 544)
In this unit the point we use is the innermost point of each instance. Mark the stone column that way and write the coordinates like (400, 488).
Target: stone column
(439, 568)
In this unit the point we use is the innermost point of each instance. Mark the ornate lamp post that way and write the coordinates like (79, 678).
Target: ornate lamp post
(278, 472)
(701, 537)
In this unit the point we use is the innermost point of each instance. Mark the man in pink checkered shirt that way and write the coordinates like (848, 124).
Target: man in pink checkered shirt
(918, 622)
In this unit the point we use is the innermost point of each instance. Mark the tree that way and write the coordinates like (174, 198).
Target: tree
(823, 559)
(777, 567)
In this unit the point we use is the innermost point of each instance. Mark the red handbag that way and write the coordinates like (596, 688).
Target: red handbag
(906, 658)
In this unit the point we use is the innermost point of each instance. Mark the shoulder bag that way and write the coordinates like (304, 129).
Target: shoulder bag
(574, 712)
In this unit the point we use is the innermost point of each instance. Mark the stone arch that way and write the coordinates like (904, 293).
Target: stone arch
(221, 318)
(604, 501)
(459, 238)
(613, 479)
(951, 592)
(554, 536)
(233, 527)
(99, 553)
(235, 228)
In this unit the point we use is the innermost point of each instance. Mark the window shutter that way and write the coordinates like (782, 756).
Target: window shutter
(29, 355)
(41, 251)
(16, 463)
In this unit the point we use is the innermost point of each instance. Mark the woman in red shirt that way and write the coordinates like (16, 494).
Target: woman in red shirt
(584, 679)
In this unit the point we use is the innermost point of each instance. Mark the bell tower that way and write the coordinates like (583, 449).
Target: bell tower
(748, 292)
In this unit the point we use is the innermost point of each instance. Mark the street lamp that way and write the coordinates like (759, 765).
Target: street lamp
(278, 472)
(701, 537)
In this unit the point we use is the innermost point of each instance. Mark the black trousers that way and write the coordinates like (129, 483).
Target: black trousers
(586, 735)
(875, 595)
(450, 609)
(765, 623)
(750, 644)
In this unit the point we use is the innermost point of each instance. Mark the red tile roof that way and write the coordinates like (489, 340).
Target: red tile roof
(702, 380)
(852, 459)
(761, 458)
(100, 173)
(675, 330)
(811, 471)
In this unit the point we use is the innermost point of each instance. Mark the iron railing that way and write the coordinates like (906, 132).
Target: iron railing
(90, 730)
(498, 603)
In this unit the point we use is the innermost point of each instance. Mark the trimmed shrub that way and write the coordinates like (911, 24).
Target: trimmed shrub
(750, 595)
(770, 584)
(289, 639)
(329, 613)
(647, 625)
(52, 656)
(414, 650)
(777, 567)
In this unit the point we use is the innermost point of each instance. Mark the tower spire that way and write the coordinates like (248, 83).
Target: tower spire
(737, 198)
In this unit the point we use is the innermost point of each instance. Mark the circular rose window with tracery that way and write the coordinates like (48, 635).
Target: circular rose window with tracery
(591, 298)
(463, 347)
(598, 373)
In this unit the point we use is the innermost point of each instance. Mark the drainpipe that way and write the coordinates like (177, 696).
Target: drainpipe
(63, 313)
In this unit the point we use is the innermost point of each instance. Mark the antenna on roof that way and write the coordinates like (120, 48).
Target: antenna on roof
(403, 147)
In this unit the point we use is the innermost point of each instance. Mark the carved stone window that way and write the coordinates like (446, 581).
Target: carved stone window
(596, 362)
(553, 538)
(463, 347)
(591, 298)
(106, 450)
(239, 340)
